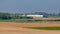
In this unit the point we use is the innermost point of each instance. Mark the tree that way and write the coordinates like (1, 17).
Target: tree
(4, 16)
(59, 14)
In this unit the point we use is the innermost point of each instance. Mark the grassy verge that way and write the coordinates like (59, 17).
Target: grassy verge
(45, 28)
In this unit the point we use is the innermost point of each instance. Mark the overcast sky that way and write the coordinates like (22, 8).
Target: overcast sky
(24, 6)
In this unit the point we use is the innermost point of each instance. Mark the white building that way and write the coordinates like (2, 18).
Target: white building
(34, 15)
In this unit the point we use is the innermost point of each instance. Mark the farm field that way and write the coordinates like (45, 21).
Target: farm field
(18, 28)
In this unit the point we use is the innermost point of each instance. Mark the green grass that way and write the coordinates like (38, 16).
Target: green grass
(45, 28)
(5, 20)
(53, 16)
(24, 20)
(18, 20)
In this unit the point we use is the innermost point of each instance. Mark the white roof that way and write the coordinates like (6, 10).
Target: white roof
(35, 15)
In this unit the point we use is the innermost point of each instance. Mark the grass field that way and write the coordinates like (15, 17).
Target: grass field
(46, 28)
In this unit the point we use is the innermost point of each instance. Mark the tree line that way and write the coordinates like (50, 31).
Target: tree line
(5, 16)
(19, 16)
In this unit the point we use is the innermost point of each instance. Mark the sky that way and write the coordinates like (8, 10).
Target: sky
(30, 6)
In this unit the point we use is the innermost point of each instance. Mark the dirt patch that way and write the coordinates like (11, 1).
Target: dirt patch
(16, 28)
